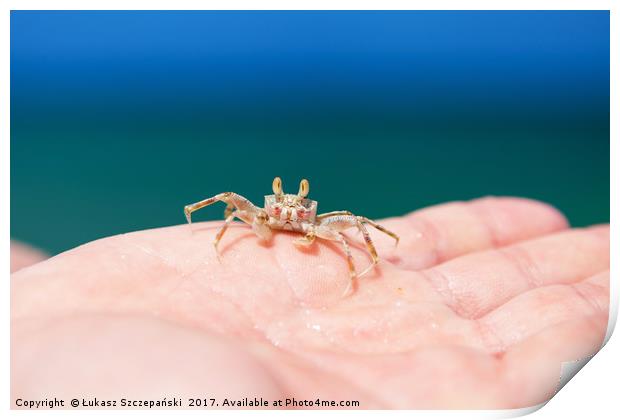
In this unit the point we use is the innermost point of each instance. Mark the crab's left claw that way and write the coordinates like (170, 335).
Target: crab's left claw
(262, 230)
(304, 241)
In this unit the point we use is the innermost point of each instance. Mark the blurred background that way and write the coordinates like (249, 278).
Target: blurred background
(119, 119)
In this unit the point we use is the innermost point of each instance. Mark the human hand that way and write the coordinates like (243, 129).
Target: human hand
(476, 308)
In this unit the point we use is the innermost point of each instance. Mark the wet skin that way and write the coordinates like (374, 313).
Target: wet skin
(476, 308)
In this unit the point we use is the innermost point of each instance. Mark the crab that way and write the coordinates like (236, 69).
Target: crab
(293, 212)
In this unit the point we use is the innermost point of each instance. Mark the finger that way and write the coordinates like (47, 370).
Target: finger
(544, 307)
(439, 233)
(475, 284)
(532, 370)
(23, 255)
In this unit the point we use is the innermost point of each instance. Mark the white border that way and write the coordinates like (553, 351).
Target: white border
(593, 394)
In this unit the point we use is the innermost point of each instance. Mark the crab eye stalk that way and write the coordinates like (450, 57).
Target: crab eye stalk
(277, 187)
(304, 189)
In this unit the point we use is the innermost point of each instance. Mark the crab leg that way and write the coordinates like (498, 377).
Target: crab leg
(379, 227)
(223, 229)
(231, 199)
(369, 246)
(228, 210)
(331, 233)
(361, 219)
(334, 213)
(341, 222)
(326, 232)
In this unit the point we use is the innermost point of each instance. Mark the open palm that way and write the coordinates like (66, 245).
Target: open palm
(476, 308)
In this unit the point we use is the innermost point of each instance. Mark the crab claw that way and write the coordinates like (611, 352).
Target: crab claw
(304, 241)
(262, 230)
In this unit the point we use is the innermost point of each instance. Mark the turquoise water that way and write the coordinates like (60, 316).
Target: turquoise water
(110, 136)
(123, 181)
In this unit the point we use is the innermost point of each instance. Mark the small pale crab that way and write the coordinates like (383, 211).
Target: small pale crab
(293, 212)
